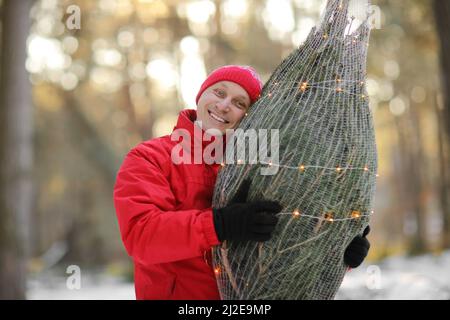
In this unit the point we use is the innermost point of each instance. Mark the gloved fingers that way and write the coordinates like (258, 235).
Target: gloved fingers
(359, 251)
(242, 193)
(360, 242)
(265, 206)
(353, 262)
(261, 237)
(261, 228)
(354, 259)
(366, 231)
(265, 219)
(356, 251)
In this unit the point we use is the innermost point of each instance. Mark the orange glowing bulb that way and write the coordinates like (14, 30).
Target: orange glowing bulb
(356, 214)
(329, 217)
(304, 86)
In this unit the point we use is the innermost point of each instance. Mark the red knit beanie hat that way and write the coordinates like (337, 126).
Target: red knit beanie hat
(244, 76)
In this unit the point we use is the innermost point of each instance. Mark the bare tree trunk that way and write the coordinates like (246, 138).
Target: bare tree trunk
(411, 180)
(417, 183)
(16, 151)
(442, 16)
(443, 181)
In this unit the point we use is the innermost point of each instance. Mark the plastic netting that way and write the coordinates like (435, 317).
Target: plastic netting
(326, 167)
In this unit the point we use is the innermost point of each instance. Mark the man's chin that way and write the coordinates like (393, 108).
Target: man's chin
(215, 132)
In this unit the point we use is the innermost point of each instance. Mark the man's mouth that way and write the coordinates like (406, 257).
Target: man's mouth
(217, 118)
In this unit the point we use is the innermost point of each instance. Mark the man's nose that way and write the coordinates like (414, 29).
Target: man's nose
(224, 105)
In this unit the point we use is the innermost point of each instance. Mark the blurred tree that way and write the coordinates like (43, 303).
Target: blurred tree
(403, 68)
(16, 150)
(442, 17)
(394, 68)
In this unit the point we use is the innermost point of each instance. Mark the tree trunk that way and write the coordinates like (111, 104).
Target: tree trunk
(442, 16)
(16, 151)
(443, 180)
(410, 180)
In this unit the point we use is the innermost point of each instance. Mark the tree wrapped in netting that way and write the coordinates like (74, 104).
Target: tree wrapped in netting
(326, 168)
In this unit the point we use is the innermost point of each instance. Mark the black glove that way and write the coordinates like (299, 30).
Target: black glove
(357, 250)
(242, 221)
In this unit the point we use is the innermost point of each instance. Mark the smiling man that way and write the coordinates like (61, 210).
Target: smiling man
(164, 207)
(222, 105)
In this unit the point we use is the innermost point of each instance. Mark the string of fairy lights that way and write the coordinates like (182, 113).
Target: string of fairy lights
(304, 86)
(336, 85)
(339, 87)
(328, 216)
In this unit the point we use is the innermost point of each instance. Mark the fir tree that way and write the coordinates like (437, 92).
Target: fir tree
(317, 100)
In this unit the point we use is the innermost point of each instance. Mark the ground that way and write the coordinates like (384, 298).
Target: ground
(422, 277)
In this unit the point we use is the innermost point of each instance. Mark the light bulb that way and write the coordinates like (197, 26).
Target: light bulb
(356, 214)
(304, 86)
(329, 217)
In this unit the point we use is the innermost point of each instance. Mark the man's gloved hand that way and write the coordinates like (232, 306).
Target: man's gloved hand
(357, 250)
(242, 221)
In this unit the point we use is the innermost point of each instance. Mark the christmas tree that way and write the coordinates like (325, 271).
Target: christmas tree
(326, 168)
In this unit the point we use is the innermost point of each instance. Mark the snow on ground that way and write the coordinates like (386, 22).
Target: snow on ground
(423, 277)
(418, 278)
(93, 286)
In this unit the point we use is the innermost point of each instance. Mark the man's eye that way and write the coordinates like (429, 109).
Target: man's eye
(220, 93)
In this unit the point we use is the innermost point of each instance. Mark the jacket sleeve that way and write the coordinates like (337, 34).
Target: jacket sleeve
(151, 230)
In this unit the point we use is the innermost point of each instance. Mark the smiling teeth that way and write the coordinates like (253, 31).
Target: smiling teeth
(217, 118)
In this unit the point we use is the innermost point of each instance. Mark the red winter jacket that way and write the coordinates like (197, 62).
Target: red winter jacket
(165, 218)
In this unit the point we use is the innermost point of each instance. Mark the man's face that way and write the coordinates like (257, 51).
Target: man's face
(222, 106)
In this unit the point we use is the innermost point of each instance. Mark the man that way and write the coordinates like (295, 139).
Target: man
(164, 206)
